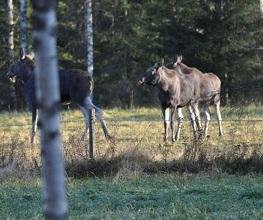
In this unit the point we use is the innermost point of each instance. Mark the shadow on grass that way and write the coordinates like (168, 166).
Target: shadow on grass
(194, 158)
(231, 162)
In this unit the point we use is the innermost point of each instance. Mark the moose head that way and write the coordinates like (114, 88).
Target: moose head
(21, 69)
(177, 61)
(151, 75)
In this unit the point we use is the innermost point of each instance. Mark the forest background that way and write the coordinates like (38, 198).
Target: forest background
(220, 36)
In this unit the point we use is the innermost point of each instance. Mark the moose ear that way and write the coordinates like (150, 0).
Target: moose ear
(162, 62)
(22, 54)
(181, 57)
(30, 56)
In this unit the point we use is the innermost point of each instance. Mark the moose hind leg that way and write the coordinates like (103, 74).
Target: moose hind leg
(99, 115)
(34, 124)
(207, 119)
(86, 117)
(219, 118)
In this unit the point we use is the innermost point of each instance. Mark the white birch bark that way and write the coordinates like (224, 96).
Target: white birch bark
(44, 36)
(10, 11)
(23, 30)
(89, 39)
(261, 7)
(89, 36)
(11, 29)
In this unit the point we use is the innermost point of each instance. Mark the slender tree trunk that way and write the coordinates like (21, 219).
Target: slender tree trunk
(89, 38)
(11, 30)
(89, 33)
(23, 30)
(10, 7)
(261, 7)
(47, 84)
(24, 49)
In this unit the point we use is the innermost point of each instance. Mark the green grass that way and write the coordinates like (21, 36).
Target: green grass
(161, 196)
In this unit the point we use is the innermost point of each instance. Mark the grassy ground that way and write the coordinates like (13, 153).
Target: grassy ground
(162, 196)
(139, 130)
(140, 176)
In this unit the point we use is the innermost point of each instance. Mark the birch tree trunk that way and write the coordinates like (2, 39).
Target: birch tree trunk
(89, 39)
(261, 7)
(11, 30)
(20, 102)
(89, 33)
(44, 38)
(10, 10)
(23, 31)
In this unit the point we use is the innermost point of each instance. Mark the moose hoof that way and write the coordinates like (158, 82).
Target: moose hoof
(83, 137)
(165, 139)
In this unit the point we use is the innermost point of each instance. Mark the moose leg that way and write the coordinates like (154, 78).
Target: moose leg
(166, 122)
(34, 124)
(197, 117)
(86, 116)
(180, 118)
(207, 119)
(192, 119)
(172, 123)
(99, 115)
(219, 118)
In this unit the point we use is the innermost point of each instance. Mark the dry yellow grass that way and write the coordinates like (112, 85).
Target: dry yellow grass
(138, 130)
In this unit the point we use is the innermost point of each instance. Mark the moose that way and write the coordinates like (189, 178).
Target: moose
(75, 86)
(208, 92)
(176, 90)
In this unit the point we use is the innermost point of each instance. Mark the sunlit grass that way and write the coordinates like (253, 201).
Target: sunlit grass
(140, 128)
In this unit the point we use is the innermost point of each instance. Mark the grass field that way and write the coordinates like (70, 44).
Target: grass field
(162, 196)
(140, 176)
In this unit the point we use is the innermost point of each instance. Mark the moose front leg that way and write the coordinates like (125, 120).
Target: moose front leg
(180, 118)
(172, 123)
(192, 119)
(198, 118)
(166, 122)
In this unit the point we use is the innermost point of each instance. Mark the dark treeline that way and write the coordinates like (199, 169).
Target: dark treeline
(220, 36)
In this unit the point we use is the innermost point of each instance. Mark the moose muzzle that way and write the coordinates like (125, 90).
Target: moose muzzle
(11, 76)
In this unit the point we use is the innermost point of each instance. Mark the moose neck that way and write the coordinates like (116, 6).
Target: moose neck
(27, 71)
(166, 75)
(182, 68)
